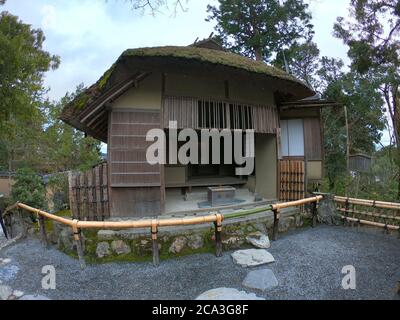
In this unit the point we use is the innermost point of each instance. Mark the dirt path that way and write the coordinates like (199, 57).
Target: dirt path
(308, 266)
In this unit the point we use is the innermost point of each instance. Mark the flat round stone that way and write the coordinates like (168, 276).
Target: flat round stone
(227, 294)
(260, 280)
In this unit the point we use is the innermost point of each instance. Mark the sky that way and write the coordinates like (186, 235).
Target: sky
(89, 35)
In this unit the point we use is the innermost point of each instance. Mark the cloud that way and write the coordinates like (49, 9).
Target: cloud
(49, 20)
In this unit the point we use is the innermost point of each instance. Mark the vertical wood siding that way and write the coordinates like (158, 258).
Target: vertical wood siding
(312, 139)
(88, 193)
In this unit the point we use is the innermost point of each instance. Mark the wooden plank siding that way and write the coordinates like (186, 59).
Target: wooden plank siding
(135, 185)
(203, 113)
(128, 145)
(313, 139)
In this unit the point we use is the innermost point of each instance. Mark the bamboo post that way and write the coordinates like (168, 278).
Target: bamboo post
(218, 235)
(154, 232)
(277, 215)
(78, 243)
(42, 230)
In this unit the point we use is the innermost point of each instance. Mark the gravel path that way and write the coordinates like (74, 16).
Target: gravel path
(308, 266)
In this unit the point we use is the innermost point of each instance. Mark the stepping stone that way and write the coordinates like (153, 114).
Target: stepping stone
(18, 293)
(259, 240)
(260, 280)
(252, 257)
(34, 297)
(227, 294)
(5, 292)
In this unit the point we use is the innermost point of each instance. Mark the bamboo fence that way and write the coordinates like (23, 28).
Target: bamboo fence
(369, 212)
(155, 224)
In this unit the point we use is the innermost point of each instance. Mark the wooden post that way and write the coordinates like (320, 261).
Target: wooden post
(156, 254)
(78, 243)
(314, 211)
(346, 213)
(2, 225)
(42, 229)
(23, 224)
(277, 215)
(218, 235)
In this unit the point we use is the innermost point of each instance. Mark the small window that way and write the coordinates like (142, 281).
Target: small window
(292, 138)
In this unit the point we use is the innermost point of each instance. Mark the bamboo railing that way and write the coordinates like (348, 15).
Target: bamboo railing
(155, 224)
(353, 214)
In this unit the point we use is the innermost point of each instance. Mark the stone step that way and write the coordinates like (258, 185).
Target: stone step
(227, 294)
(261, 280)
(252, 257)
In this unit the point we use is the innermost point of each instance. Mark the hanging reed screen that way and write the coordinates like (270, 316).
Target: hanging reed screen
(201, 113)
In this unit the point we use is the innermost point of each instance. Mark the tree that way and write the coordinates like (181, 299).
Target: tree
(23, 64)
(373, 37)
(365, 117)
(303, 62)
(157, 5)
(261, 28)
(67, 148)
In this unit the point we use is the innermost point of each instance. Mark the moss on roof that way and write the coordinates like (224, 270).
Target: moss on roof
(190, 53)
(211, 56)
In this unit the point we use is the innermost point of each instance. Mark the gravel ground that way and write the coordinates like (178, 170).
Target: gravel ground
(308, 266)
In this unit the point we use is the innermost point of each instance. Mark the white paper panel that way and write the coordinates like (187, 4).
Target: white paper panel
(296, 137)
(284, 138)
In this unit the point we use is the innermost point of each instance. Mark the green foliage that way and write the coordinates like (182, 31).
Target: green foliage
(59, 185)
(261, 28)
(29, 189)
(373, 37)
(23, 63)
(302, 60)
(66, 147)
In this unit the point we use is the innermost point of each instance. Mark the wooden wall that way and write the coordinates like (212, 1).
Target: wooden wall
(135, 185)
(313, 147)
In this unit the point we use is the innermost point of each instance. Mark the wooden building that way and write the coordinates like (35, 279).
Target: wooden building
(199, 86)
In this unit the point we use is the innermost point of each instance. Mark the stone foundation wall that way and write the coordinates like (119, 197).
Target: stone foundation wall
(102, 246)
(136, 245)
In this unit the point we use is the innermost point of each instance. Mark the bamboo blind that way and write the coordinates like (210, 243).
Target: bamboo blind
(203, 113)
(292, 180)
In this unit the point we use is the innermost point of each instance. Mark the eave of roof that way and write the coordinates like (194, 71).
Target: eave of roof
(176, 55)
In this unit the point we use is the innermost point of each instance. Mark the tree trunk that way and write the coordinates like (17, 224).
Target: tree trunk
(258, 53)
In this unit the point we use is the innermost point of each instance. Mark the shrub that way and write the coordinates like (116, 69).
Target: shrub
(29, 189)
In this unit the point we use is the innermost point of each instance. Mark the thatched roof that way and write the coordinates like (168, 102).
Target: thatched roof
(178, 59)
